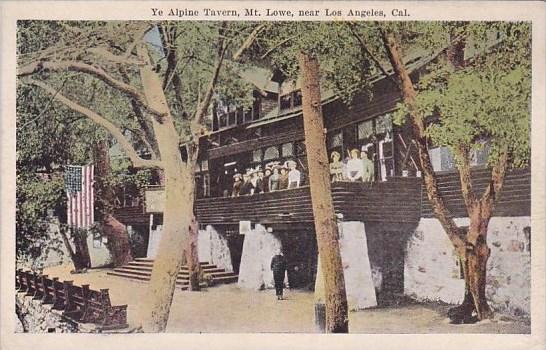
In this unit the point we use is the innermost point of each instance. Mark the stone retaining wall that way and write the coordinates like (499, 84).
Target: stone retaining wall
(432, 270)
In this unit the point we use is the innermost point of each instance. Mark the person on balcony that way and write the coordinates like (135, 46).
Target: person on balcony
(274, 179)
(336, 167)
(237, 183)
(259, 181)
(283, 178)
(267, 175)
(246, 188)
(367, 166)
(278, 266)
(294, 175)
(354, 167)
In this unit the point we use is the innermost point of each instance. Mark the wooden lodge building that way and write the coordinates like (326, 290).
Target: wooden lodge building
(392, 208)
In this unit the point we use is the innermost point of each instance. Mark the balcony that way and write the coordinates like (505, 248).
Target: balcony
(395, 201)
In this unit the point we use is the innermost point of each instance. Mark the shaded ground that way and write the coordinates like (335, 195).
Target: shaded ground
(229, 309)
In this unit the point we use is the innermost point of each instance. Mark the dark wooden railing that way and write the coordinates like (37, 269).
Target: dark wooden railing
(78, 304)
(515, 197)
(397, 200)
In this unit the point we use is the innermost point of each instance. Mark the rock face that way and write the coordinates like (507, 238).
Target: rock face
(213, 248)
(432, 270)
(38, 318)
(258, 248)
(359, 284)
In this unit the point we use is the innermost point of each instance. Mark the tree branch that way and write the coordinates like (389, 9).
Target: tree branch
(465, 176)
(271, 50)
(97, 72)
(498, 172)
(203, 106)
(137, 161)
(248, 42)
(370, 55)
(104, 53)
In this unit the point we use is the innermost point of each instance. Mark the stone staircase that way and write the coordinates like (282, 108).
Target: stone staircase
(141, 269)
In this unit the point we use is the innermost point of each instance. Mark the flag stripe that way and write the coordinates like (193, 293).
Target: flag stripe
(80, 204)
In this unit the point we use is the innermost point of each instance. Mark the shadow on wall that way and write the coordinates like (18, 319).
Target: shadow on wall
(386, 250)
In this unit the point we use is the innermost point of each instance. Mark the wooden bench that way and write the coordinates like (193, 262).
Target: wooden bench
(78, 304)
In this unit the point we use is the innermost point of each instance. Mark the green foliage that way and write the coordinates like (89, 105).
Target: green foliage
(489, 100)
(35, 196)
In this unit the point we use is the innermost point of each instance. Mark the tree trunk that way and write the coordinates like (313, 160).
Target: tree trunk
(177, 217)
(192, 257)
(473, 256)
(116, 233)
(408, 95)
(337, 320)
(477, 254)
(118, 240)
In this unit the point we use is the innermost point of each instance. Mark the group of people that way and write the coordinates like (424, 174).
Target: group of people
(274, 177)
(359, 167)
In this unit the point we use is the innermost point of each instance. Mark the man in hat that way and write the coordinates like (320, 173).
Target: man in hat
(278, 266)
(237, 183)
(283, 178)
(246, 187)
(274, 179)
(260, 188)
(336, 167)
(367, 166)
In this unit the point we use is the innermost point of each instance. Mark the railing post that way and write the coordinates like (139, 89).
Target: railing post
(67, 295)
(58, 302)
(85, 298)
(31, 283)
(17, 283)
(39, 279)
(48, 297)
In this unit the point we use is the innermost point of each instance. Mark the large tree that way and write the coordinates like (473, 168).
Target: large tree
(115, 59)
(463, 101)
(300, 51)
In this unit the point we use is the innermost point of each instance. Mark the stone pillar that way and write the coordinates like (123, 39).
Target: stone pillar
(258, 248)
(154, 238)
(213, 248)
(357, 271)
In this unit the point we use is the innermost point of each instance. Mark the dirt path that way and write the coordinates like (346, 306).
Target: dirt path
(229, 309)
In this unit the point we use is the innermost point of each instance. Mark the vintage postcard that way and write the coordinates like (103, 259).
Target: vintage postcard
(198, 174)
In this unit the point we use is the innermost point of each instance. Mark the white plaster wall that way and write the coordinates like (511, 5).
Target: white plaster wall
(431, 270)
(259, 247)
(213, 248)
(153, 241)
(357, 272)
(99, 255)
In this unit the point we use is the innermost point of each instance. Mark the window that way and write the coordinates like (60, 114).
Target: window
(223, 120)
(205, 165)
(286, 101)
(365, 129)
(257, 155)
(271, 153)
(300, 148)
(383, 124)
(297, 98)
(287, 149)
(335, 140)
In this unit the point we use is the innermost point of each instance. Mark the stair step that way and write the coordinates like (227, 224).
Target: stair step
(141, 269)
(179, 282)
(148, 271)
(204, 266)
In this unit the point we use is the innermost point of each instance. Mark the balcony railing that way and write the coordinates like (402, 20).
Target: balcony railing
(397, 200)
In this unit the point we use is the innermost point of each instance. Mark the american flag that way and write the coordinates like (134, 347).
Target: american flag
(79, 189)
